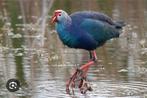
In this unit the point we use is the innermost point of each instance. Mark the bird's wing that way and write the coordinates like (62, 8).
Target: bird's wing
(79, 16)
(99, 30)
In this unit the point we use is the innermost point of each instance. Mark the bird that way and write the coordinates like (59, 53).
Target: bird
(86, 30)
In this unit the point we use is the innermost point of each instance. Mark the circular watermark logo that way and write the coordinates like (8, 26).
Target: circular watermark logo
(13, 85)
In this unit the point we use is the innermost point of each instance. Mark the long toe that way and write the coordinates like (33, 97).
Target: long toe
(90, 88)
(67, 91)
(81, 83)
(83, 90)
(67, 88)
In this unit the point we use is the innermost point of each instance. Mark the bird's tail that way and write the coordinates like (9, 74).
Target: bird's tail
(119, 24)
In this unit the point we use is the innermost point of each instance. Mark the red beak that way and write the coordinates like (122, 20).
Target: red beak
(54, 19)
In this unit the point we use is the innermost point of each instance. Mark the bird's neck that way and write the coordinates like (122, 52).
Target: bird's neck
(63, 29)
(63, 25)
(66, 22)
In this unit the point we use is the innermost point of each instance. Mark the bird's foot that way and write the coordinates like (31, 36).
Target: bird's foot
(77, 79)
(72, 82)
(84, 86)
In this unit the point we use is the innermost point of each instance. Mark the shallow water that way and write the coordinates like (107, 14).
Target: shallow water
(31, 51)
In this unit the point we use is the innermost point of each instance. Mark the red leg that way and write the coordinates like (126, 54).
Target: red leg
(80, 75)
(94, 55)
(87, 65)
(85, 68)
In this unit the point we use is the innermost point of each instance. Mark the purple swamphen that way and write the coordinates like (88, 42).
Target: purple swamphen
(84, 30)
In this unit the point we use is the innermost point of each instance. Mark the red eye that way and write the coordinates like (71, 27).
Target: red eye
(59, 14)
